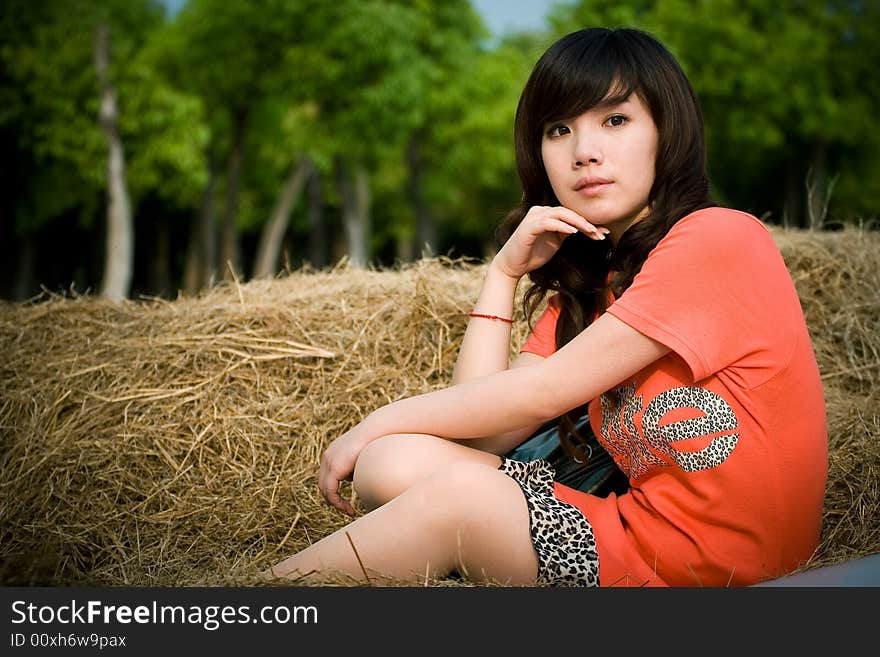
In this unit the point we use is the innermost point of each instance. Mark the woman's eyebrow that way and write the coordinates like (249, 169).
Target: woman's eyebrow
(607, 103)
(613, 101)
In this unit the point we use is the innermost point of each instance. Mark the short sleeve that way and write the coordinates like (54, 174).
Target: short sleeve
(716, 291)
(542, 339)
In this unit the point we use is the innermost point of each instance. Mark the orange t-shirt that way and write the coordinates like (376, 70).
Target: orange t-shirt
(724, 439)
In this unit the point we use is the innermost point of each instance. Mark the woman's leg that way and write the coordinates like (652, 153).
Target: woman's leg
(469, 517)
(392, 464)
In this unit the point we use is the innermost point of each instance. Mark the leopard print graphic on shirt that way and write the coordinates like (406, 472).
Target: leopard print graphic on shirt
(563, 538)
(640, 447)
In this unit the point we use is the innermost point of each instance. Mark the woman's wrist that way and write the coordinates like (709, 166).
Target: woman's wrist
(496, 270)
(376, 425)
(496, 296)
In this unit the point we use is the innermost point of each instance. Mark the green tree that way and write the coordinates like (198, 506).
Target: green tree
(119, 252)
(230, 55)
(288, 150)
(454, 177)
(166, 136)
(471, 143)
(58, 154)
(450, 47)
(366, 79)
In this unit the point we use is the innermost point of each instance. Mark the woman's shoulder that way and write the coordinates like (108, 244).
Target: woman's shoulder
(722, 228)
(722, 221)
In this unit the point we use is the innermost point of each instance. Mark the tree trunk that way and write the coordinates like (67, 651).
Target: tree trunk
(355, 211)
(192, 263)
(119, 255)
(272, 238)
(207, 230)
(229, 253)
(202, 248)
(818, 190)
(361, 232)
(426, 228)
(792, 214)
(160, 269)
(24, 271)
(404, 247)
(318, 251)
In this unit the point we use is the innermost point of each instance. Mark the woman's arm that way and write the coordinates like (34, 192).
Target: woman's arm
(485, 348)
(504, 442)
(602, 356)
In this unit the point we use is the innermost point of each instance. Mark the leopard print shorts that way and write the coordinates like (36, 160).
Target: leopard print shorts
(562, 536)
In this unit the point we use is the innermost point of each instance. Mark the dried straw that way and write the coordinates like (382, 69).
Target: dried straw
(158, 443)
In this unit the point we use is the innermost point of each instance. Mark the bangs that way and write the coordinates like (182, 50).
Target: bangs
(581, 78)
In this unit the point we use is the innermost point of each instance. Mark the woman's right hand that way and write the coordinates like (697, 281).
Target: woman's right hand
(337, 465)
(539, 236)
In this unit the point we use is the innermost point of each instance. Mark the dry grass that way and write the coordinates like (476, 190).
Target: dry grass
(159, 443)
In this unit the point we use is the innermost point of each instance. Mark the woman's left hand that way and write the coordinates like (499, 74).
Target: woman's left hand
(337, 465)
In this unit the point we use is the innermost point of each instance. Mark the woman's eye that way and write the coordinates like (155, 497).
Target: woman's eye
(557, 131)
(616, 121)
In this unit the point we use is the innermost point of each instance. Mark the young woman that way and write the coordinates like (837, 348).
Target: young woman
(674, 322)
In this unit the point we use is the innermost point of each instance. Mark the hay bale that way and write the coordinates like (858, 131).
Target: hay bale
(158, 443)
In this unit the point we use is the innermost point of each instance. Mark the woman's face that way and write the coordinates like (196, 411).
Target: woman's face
(601, 163)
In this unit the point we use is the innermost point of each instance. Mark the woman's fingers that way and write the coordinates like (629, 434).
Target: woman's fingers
(539, 236)
(328, 485)
(560, 214)
(336, 500)
(574, 219)
(558, 226)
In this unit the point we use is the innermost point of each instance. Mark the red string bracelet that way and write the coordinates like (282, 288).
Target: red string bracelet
(502, 319)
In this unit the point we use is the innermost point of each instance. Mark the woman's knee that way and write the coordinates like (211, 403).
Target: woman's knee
(385, 468)
(392, 464)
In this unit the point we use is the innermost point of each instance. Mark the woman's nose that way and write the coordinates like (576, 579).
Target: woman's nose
(586, 150)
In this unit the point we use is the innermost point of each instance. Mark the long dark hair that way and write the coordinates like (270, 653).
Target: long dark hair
(572, 76)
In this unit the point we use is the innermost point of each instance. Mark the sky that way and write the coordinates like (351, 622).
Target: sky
(500, 16)
(503, 16)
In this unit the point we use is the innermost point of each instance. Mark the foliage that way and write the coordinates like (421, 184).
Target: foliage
(55, 109)
(472, 140)
(788, 90)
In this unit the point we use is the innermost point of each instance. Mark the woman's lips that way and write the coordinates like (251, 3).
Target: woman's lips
(592, 188)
